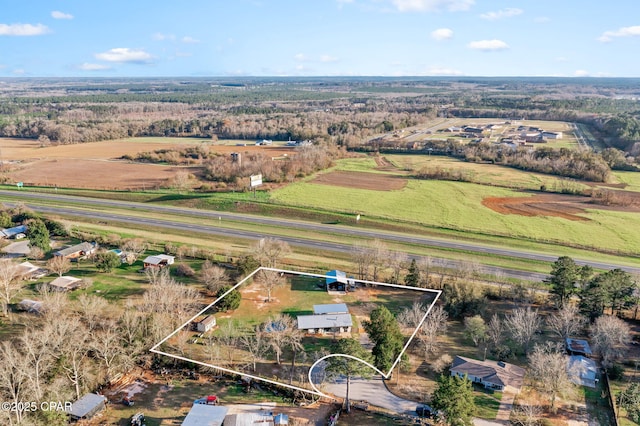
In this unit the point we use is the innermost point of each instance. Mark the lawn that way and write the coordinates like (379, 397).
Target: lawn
(422, 202)
(487, 404)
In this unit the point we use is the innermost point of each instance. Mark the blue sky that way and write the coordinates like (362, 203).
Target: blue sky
(115, 38)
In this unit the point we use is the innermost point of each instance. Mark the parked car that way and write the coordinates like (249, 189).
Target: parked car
(424, 411)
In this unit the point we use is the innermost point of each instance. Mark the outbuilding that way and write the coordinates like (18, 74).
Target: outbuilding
(158, 261)
(87, 406)
(205, 415)
(206, 324)
(65, 283)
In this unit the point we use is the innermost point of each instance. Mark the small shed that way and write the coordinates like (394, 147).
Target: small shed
(582, 371)
(337, 281)
(65, 283)
(28, 270)
(31, 306)
(158, 261)
(206, 324)
(578, 347)
(205, 415)
(87, 406)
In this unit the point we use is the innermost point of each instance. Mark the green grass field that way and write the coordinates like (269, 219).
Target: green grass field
(458, 206)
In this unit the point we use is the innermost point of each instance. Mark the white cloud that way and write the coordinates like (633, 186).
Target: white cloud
(328, 58)
(190, 40)
(93, 67)
(300, 57)
(23, 29)
(124, 54)
(163, 37)
(443, 71)
(432, 5)
(608, 36)
(542, 20)
(56, 14)
(19, 71)
(581, 73)
(503, 13)
(488, 45)
(442, 34)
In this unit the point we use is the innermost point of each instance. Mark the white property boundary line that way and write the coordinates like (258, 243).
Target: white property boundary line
(315, 390)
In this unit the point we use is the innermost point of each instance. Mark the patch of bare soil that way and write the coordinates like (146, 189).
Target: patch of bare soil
(95, 174)
(362, 180)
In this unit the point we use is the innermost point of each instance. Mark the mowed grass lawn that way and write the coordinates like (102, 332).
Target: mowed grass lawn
(458, 205)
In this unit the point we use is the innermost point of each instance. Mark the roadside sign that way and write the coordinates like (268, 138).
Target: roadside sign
(256, 180)
(20, 184)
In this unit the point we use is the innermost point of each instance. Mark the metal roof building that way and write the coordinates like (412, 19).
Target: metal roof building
(323, 323)
(332, 308)
(205, 415)
(87, 406)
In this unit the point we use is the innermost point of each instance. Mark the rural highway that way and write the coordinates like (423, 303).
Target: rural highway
(213, 218)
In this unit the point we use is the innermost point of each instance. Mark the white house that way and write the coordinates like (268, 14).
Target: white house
(325, 323)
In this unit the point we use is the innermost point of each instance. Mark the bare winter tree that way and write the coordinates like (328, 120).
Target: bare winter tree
(131, 327)
(74, 348)
(269, 280)
(55, 303)
(380, 255)
(59, 264)
(362, 257)
(35, 346)
(495, 331)
(106, 345)
(434, 325)
(170, 299)
(255, 344)
(228, 337)
(610, 337)
(92, 308)
(526, 414)
(397, 261)
(15, 383)
(522, 325)
(277, 332)
(548, 367)
(269, 251)
(425, 266)
(567, 321)
(214, 277)
(9, 283)
(133, 248)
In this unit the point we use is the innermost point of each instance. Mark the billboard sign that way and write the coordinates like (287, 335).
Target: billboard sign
(256, 180)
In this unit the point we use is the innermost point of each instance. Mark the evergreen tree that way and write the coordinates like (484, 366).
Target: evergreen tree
(629, 399)
(231, 301)
(453, 400)
(564, 277)
(612, 289)
(38, 235)
(346, 366)
(413, 275)
(383, 329)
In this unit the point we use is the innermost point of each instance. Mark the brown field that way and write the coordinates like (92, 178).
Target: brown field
(93, 165)
(362, 180)
(565, 206)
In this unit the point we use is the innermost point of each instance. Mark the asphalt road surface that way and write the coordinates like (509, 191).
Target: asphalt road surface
(211, 227)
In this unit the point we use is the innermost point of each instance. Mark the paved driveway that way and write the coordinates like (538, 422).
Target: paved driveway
(17, 249)
(372, 390)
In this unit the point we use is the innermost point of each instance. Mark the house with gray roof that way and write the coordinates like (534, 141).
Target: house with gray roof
(78, 251)
(491, 374)
(578, 347)
(325, 323)
(582, 371)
